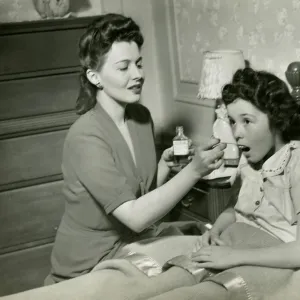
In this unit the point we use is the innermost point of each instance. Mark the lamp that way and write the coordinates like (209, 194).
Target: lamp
(218, 68)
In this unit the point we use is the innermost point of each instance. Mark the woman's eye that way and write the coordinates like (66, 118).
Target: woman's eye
(140, 66)
(246, 121)
(123, 68)
(231, 122)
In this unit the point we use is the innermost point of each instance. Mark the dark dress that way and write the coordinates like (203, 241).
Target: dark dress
(99, 175)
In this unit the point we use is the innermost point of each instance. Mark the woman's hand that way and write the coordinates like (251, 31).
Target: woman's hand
(168, 155)
(208, 158)
(217, 257)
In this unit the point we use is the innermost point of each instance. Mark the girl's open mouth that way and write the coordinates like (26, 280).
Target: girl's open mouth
(243, 148)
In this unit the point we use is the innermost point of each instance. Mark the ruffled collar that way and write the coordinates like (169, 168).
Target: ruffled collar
(279, 160)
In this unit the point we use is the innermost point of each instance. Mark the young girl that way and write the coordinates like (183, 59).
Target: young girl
(262, 228)
(265, 120)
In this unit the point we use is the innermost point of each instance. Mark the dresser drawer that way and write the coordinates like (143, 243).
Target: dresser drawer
(36, 51)
(34, 96)
(24, 270)
(30, 216)
(31, 157)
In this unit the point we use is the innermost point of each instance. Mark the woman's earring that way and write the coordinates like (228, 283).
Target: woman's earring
(99, 86)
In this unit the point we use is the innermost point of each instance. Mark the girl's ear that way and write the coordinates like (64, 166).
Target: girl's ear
(93, 77)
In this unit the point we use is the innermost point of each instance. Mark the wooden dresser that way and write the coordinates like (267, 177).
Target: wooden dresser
(38, 91)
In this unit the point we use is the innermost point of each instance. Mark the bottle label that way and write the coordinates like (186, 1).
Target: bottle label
(233, 163)
(181, 147)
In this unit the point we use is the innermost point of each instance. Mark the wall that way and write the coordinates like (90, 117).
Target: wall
(267, 31)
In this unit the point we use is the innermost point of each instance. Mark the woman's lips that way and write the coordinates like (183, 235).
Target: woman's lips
(136, 89)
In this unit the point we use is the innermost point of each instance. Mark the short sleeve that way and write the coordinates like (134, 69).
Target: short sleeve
(92, 161)
(295, 180)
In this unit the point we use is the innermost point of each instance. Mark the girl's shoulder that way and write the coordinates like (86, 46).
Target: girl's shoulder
(295, 145)
(294, 162)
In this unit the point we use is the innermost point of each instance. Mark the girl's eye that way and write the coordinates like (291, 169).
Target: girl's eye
(246, 121)
(231, 122)
(140, 65)
(123, 68)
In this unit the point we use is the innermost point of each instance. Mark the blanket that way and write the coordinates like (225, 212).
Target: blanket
(119, 279)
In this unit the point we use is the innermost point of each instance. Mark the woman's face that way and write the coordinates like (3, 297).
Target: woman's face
(122, 74)
(251, 129)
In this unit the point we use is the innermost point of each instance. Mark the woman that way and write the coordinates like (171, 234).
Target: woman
(114, 189)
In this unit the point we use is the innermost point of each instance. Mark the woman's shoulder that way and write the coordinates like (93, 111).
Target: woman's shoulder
(86, 125)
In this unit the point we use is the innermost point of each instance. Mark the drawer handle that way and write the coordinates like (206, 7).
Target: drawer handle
(187, 202)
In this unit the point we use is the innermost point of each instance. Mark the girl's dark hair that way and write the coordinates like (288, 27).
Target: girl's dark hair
(270, 95)
(94, 44)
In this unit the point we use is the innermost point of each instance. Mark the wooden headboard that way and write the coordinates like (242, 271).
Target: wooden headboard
(38, 88)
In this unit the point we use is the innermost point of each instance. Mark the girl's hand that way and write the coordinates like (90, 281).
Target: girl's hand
(208, 158)
(217, 257)
(211, 237)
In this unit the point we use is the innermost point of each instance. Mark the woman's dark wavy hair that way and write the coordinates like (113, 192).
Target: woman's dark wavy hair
(94, 44)
(270, 95)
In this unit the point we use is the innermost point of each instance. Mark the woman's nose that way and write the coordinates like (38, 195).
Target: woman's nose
(136, 73)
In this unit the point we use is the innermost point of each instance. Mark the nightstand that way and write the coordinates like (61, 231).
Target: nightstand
(203, 202)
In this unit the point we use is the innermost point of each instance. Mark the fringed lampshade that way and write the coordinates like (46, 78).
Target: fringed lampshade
(218, 67)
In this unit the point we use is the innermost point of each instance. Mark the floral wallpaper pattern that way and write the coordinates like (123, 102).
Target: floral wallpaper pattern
(23, 10)
(267, 31)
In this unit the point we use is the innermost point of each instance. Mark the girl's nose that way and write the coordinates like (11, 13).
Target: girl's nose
(238, 131)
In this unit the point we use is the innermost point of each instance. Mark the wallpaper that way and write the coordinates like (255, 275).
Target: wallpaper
(267, 31)
(23, 10)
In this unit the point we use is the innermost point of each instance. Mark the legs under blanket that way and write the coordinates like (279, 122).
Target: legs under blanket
(120, 280)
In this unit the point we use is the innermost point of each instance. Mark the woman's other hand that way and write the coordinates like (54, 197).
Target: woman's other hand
(168, 155)
(211, 237)
(208, 158)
